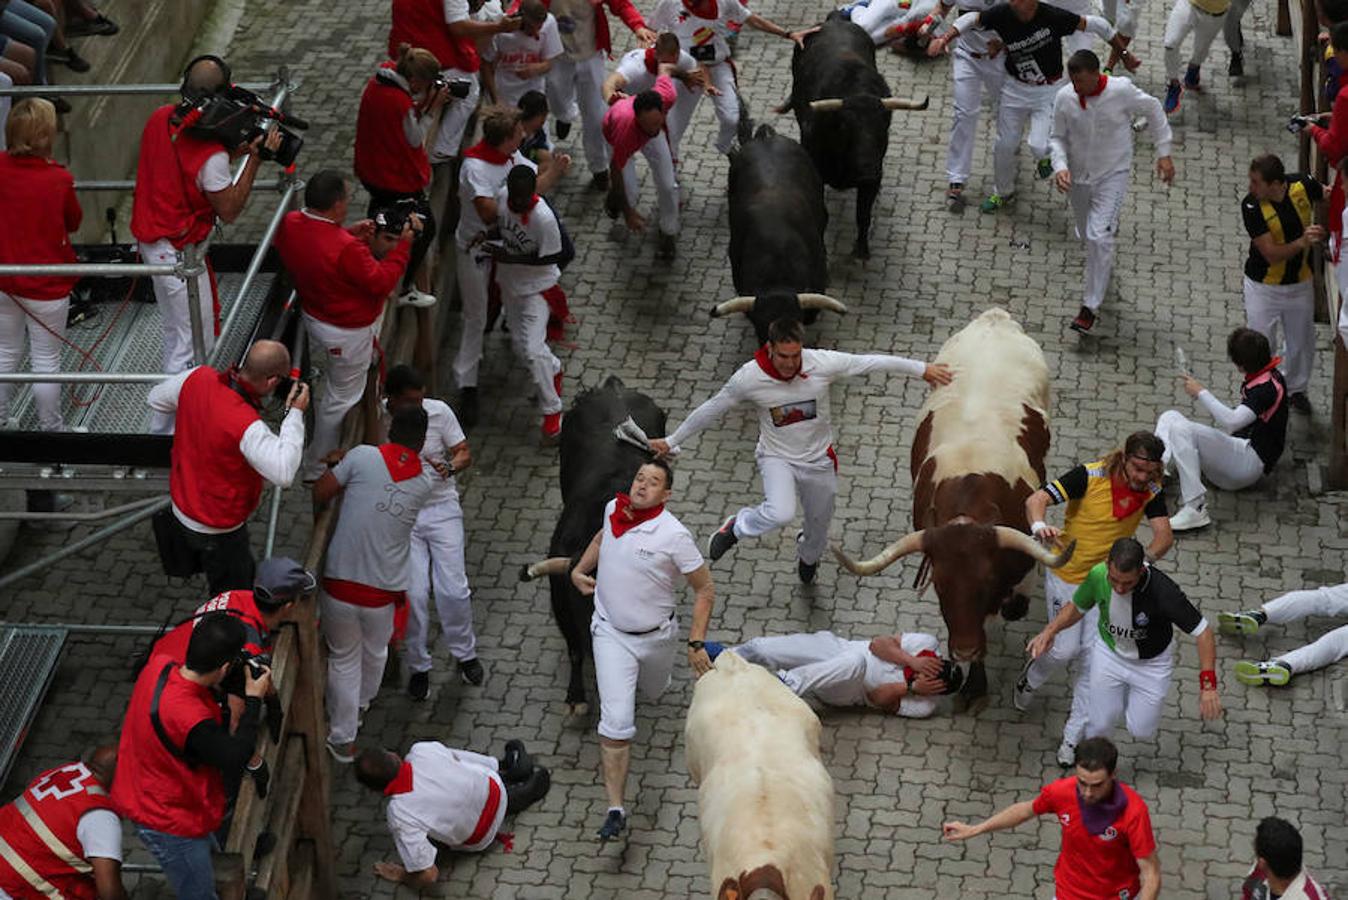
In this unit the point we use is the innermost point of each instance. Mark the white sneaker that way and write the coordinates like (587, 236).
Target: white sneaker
(1067, 754)
(414, 297)
(1189, 518)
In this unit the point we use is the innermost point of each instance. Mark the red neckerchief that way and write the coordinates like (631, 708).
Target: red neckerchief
(524, 216)
(403, 463)
(487, 153)
(765, 363)
(626, 517)
(1099, 89)
(1126, 500)
(908, 674)
(402, 782)
(693, 5)
(651, 64)
(1273, 364)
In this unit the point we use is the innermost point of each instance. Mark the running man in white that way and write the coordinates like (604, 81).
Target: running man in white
(637, 71)
(901, 674)
(1205, 19)
(516, 62)
(642, 552)
(435, 557)
(976, 73)
(789, 387)
(1131, 663)
(1328, 602)
(1091, 146)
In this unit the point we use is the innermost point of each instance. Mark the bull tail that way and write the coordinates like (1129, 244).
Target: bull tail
(744, 129)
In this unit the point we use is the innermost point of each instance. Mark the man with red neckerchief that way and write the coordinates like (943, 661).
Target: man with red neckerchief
(1108, 849)
(1106, 500)
(789, 386)
(642, 552)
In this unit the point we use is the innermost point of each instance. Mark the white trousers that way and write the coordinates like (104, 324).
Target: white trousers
(1021, 104)
(1201, 451)
(357, 639)
(1071, 645)
(1341, 279)
(817, 485)
(45, 323)
(660, 160)
(1324, 601)
(346, 355)
(625, 664)
(974, 77)
(1291, 309)
(527, 316)
(1123, 15)
(170, 292)
(1130, 689)
(574, 90)
(474, 274)
(435, 562)
(680, 114)
(876, 17)
(1185, 18)
(1096, 208)
(449, 139)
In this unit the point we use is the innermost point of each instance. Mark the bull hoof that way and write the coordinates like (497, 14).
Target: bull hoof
(576, 714)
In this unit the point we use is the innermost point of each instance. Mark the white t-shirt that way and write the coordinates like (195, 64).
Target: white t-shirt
(640, 571)
(704, 39)
(449, 793)
(455, 11)
(638, 78)
(793, 415)
(214, 175)
(513, 49)
(575, 23)
(443, 431)
(100, 834)
(540, 234)
(370, 543)
(479, 178)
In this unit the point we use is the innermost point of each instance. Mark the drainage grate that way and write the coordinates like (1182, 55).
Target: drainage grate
(28, 658)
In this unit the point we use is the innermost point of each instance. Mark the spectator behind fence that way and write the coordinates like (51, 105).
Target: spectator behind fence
(17, 61)
(398, 106)
(29, 25)
(1277, 871)
(343, 276)
(61, 837)
(82, 19)
(182, 183)
(221, 453)
(178, 748)
(38, 195)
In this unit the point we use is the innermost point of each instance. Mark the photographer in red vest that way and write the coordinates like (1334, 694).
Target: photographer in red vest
(61, 837)
(182, 183)
(222, 452)
(177, 751)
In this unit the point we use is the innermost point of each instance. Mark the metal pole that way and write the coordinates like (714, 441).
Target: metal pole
(296, 365)
(255, 264)
(130, 184)
(71, 549)
(193, 258)
(90, 629)
(82, 377)
(110, 270)
(108, 90)
(25, 516)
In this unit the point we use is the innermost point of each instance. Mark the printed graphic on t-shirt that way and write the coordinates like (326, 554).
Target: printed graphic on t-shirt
(791, 413)
(397, 502)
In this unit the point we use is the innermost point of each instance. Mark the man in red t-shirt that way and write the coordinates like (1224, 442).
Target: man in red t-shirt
(1108, 850)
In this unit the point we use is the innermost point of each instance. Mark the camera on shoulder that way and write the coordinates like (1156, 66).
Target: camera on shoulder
(235, 117)
(391, 219)
(458, 87)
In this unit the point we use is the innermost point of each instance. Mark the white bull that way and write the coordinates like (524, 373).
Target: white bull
(765, 798)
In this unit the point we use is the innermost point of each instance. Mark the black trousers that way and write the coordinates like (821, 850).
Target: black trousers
(226, 559)
(382, 199)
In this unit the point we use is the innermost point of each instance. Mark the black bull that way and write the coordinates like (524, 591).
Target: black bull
(846, 144)
(594, 467)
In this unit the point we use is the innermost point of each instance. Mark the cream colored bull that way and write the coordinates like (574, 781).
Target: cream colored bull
(765, 798)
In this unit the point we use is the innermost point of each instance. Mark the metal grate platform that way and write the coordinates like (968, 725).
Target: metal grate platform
(28, 658)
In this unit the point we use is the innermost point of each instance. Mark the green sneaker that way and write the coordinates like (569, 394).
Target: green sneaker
(996, 202)
(1043, 168)
(1255, 674)
(1243, 622)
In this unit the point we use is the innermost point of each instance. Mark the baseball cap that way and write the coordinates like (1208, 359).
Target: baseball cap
(279, 580)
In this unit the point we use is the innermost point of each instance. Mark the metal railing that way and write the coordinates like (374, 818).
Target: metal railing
(110, 90)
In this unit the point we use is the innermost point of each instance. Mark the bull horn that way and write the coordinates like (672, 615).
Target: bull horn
(904, 103)
(738, 305)
(1014, 539)
(556, 565)
(909, 543)
(821, 301)
(826, 105)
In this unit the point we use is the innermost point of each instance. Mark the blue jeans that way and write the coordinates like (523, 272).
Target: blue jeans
(186, 862)
(29, 25)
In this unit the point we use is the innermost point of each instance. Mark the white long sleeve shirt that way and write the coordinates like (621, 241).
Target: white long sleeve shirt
(1095, 141)
(793, 413)
(1227, 419)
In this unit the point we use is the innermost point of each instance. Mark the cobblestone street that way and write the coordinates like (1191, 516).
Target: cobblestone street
(1178, 281)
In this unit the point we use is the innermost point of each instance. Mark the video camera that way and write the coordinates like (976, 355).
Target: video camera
(255, 663)
(1297, 123)
(458, 87)
(235, 117)
(392, 218)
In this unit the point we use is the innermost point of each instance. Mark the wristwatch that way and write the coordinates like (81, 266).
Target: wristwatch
(697, 645)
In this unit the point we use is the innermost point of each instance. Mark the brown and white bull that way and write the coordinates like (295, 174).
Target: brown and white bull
(765, 800)
(978, 453)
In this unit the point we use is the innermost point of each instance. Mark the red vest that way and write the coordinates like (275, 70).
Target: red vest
(55, 801)
(239, 604)
(210, 481)
(153, 787)
(421, 23)
(337, 277)
(168, 202)
(384, 159)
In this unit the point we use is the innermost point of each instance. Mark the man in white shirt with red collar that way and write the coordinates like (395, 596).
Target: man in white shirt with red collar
(638, 69)
(642, 552)
(343, 277)
(456, 797)
(789, 386)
